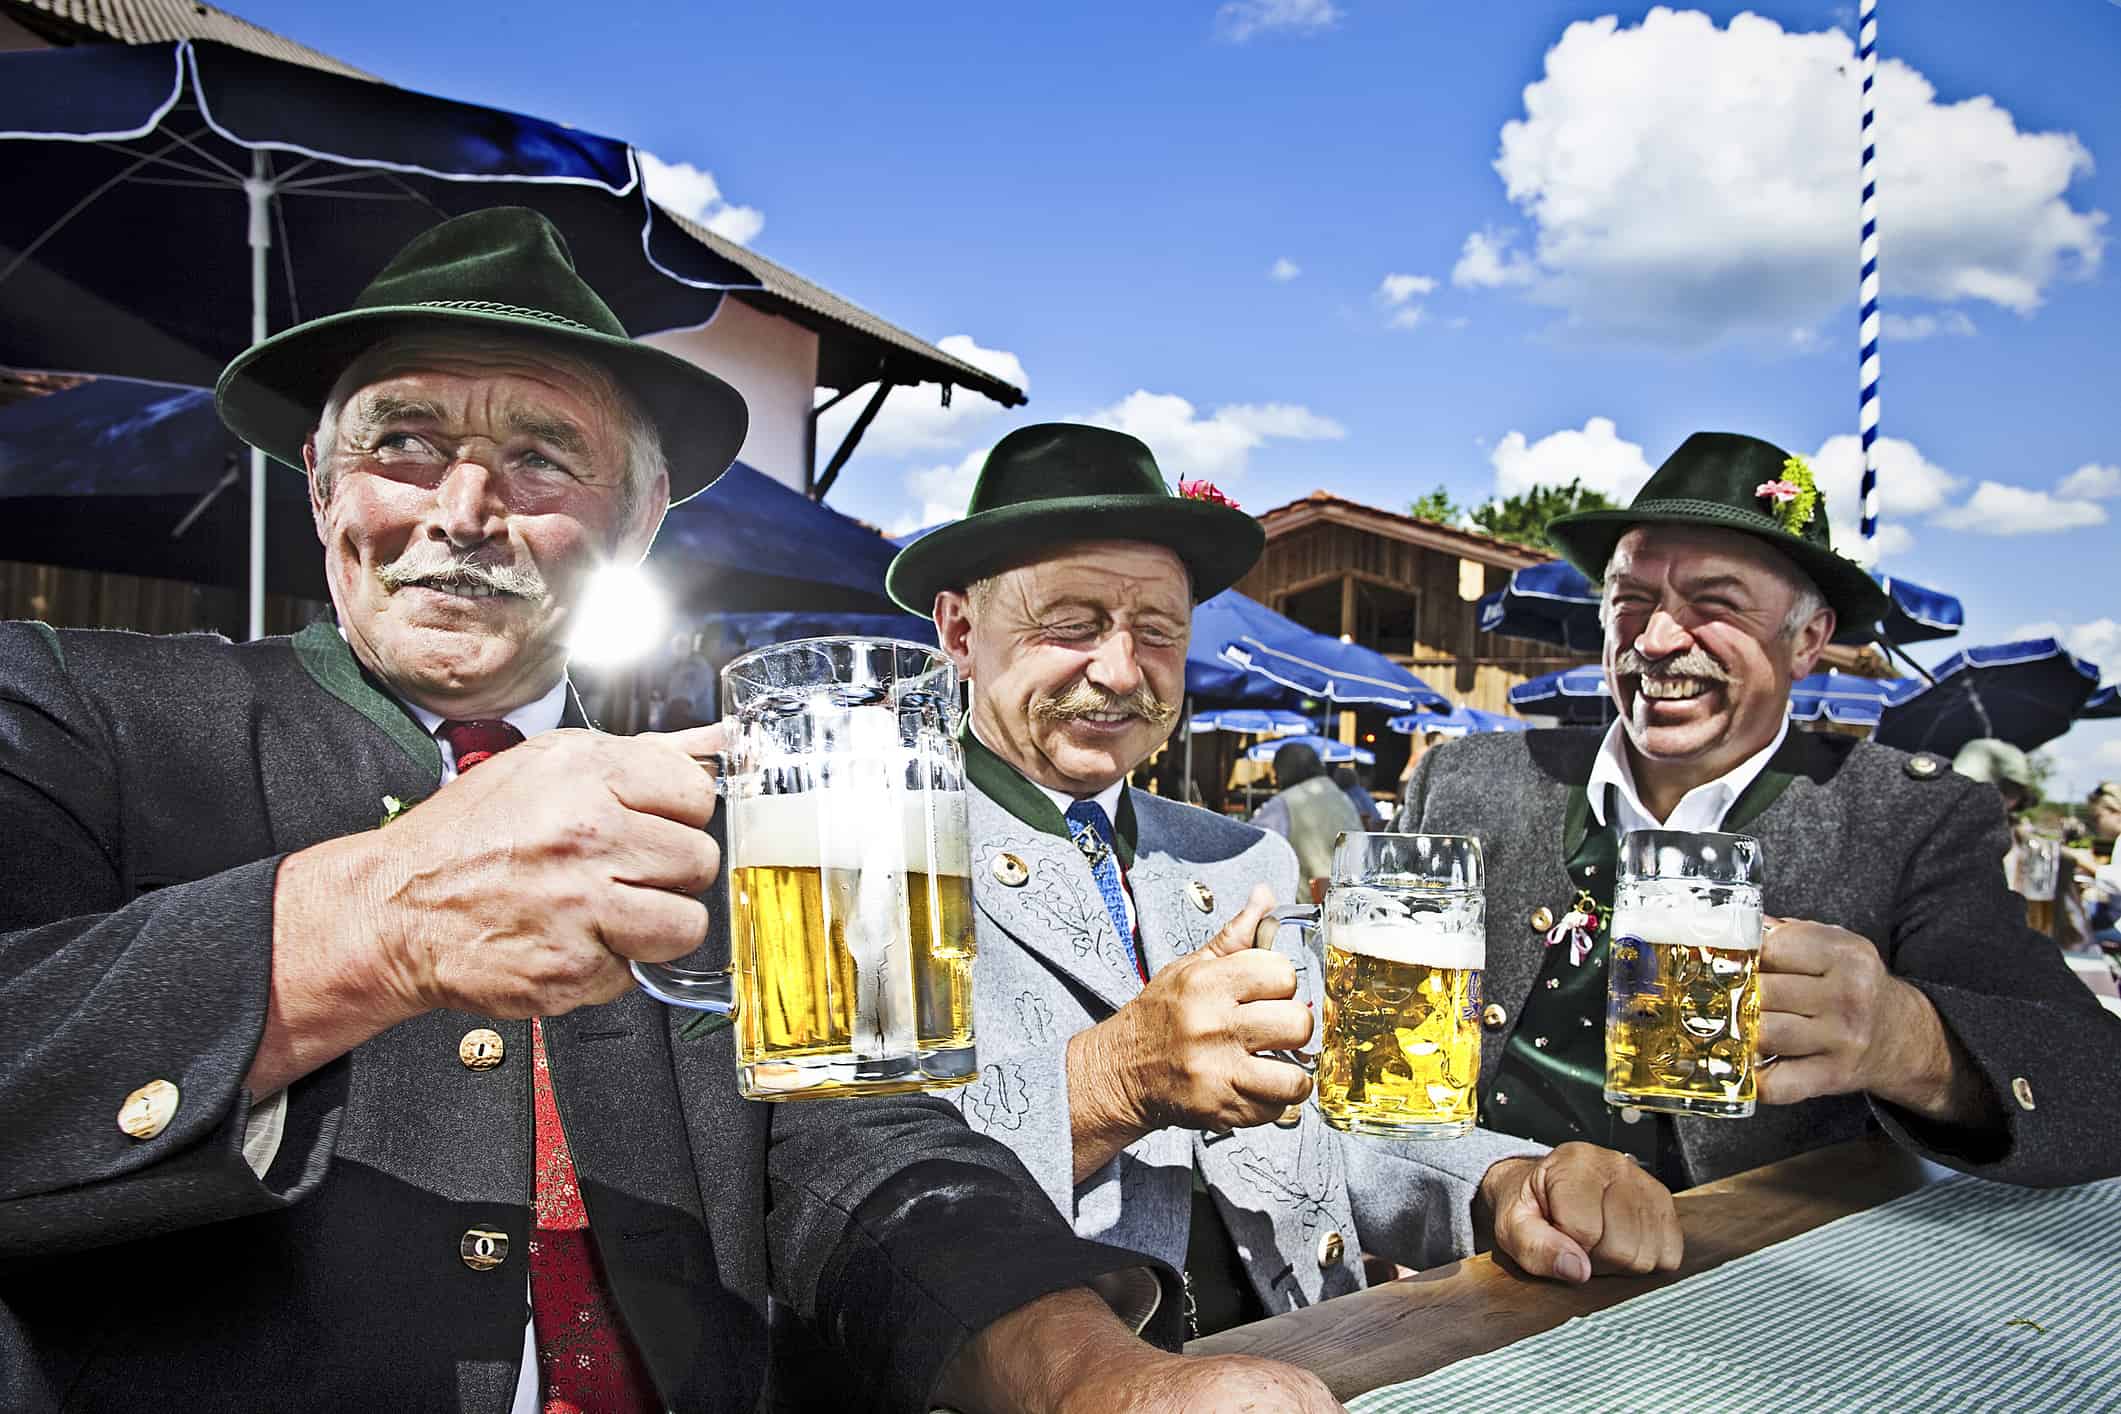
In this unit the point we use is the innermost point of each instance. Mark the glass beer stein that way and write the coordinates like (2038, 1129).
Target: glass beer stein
(1404, 928)
(850, 888)
(1683, 990)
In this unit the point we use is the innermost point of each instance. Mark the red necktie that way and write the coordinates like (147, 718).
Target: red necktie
(586, 1362)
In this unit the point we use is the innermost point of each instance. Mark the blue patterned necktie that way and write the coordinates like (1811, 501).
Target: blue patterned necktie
(1091, 829)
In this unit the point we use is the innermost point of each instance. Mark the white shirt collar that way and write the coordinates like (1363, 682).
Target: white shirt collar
(1701, 808)
(1108, 798)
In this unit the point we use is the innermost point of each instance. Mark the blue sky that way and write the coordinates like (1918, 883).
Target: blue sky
(1661, 208)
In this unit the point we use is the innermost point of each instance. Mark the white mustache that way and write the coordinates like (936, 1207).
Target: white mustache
(454, 573)
(1694, 663)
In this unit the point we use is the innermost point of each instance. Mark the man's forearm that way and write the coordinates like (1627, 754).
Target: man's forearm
(1030, 1358)
(1927, 1072)
(328, 992)
(1097, 1119)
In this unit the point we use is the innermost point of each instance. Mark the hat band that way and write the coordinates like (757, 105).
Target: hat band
(518, 311)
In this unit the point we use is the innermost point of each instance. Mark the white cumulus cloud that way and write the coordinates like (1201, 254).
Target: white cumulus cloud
(1999, 509)
(1218, 446)
(913, 419)
(1398, 289)
(693, 192)
(1909, 485)
(941, 491)
(1284, 270)
(1487, 262)
(1684, 183)
(2091, 482)
(1239, 20)
(1594, 455)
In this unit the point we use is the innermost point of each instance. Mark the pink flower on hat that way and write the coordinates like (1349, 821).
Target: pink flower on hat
(1782, 492)
(1204, 490)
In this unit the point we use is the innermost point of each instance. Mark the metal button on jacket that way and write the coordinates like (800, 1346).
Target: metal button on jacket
(1542, 919)
(1331, 1247)
(1290, 1117)
(1203, 897)
(481, 1049)
(1009, 871)
(2022, 1092)
(149, 1109)
(1493, 1015)
(483, 1249)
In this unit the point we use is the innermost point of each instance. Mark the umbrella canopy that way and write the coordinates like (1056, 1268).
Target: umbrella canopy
(725, 636)
(1252, 721)
(170, 204)
(2103, 704)
(1459, 721)
(1214, 681)
(1554, 603)
(1844, 698)
(1576, 695)
(131, 478)
(2025, 693)
(1331, 752)
(748, 543)
(1312, 665)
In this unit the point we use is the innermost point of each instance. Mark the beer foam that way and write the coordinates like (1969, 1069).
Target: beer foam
(840, 829)
(1682, 919)
(1423, 940)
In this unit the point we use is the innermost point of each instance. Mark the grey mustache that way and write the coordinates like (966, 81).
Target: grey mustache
(1082, 700)
(520, 581)
(1694, 663)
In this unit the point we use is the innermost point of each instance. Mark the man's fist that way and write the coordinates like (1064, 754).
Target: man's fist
(523, 887)
(1580, 1209)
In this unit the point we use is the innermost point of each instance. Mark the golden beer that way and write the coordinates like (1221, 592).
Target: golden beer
(1400, 1049)
(2040, 915)
(1683, 1004)
(853, 972)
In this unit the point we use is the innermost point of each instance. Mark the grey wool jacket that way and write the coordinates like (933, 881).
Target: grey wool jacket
(1892, 847)
(150, 788)
(1303, 1202)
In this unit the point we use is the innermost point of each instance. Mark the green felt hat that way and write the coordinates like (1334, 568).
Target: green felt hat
(1733, 482)
(504, 271)
(1055, 482)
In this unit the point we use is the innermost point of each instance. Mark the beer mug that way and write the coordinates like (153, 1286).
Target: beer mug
(1404, 934)
(2039, 877)
(1683, 988)
(850, 884)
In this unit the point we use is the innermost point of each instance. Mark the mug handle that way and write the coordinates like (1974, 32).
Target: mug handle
(1305, 918)
(683, 986)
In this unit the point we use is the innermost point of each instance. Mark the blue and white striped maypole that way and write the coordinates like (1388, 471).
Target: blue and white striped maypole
(1867, 289)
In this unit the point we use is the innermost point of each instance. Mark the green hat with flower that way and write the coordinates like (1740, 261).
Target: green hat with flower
(1728, 481)
(1046, 485)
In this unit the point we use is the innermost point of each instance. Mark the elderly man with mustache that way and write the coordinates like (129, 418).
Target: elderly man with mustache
(1124, 1013)
(1900, 987)
(312, 1101)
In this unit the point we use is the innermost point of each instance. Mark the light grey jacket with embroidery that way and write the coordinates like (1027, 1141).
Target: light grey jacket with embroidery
(1051, 964)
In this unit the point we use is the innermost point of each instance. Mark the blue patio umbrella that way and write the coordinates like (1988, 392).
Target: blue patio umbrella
(1311, 665)
(2102, 705)
(170, 204)
(1553, 602)
(749, 543)
(1575, 695)
(1252, 721)
(1459, 721)
(1843, 698)
(2025, 693)
(1214, 681)
(1331, 752)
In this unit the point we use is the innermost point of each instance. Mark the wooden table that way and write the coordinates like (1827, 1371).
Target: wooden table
(1368, 1339)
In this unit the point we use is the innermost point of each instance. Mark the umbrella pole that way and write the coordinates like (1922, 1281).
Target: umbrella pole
(258, 192)
(1901, 653)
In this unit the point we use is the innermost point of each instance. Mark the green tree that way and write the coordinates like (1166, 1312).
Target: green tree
(1524, 516)
(1437, 506)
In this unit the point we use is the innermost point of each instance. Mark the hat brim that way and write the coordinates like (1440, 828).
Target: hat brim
(272, 392)
(1586, 540)
(1217, 543)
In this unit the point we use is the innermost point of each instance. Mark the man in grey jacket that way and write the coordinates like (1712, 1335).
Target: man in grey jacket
(1900, 988)
(1123, 1010)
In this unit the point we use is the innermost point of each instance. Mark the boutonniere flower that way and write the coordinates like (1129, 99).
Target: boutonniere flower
(1204, 490)
(1793, 498)
(392, 809)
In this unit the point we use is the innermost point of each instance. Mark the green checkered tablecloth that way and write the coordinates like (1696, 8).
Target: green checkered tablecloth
(1966, 1295)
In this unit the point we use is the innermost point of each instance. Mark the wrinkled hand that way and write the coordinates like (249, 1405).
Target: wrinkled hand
(1581, 1209)
(1199, 1384)
(524, 886)
(1830, 1014)
(1185, 1051)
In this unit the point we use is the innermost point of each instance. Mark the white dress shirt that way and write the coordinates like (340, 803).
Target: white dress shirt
(1700, 809)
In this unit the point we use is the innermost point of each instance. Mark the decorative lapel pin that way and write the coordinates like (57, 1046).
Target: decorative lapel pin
(1579, 927)
(1092, 846)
